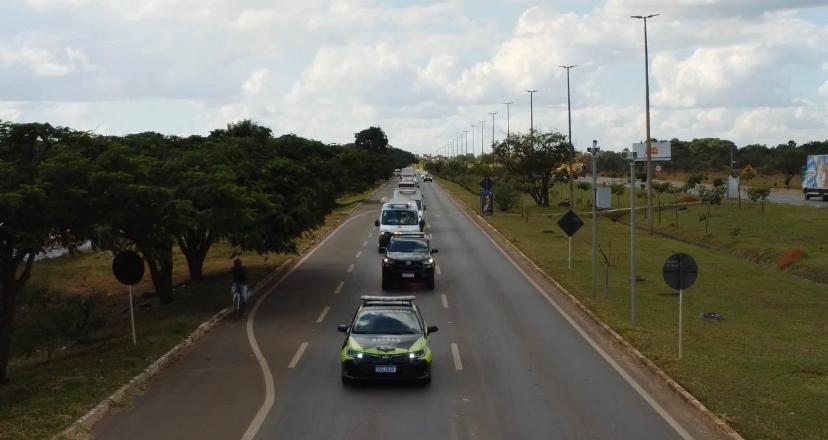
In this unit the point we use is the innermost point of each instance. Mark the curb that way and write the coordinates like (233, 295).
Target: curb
(722, 426)
(83, 426)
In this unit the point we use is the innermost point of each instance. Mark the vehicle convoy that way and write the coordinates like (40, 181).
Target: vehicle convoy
(407, 182)
(397, 217)
(815, 177)
(408, 257)
(412, 195)
(387, 339)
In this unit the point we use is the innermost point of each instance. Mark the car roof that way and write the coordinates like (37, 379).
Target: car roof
(403, 206)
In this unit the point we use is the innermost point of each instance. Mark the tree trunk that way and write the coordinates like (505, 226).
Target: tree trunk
(739, 191)
(707, 219)
(159, 261)
(195, 246)
(10, 285)
(545, 191)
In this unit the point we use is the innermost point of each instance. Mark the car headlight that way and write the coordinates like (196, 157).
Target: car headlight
(354, 354)
(419, 354)
(387, 262)
(429, 262)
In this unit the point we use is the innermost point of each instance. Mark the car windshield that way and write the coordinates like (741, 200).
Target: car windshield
(407, 245)
(387, 322)
(399, 217)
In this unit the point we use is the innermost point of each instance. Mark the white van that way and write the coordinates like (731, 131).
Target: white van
(397, 217)
(411, 195)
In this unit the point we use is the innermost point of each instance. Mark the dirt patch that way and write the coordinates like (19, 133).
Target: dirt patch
(790, 257)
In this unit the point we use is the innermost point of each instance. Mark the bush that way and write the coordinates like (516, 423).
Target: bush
(507, 196)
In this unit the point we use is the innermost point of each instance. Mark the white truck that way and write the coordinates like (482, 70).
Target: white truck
(815, 177)
(397, 217)
(412, 195)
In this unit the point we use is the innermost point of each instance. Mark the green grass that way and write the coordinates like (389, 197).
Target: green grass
(42, 398)
(764, 368)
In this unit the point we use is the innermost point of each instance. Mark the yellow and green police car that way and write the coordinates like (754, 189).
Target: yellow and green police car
(387, 340)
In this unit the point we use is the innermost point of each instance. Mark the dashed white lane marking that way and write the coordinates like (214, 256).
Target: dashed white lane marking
(359, 254)
(351, 268)
(455, 352)
(323, 314)
(339, 287)
(370, 235)
(428, 226)
(364, 243)
(298, 355)
(437, 268)
(445, 301)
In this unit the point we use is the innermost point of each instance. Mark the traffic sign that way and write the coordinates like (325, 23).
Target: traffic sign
(128, 268)
(680, 271)
(487, 183)
(570, 223)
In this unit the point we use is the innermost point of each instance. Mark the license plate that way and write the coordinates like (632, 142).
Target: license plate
(408, 275)
(385, 369)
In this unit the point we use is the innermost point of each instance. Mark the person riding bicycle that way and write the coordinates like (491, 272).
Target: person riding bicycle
(240, 282)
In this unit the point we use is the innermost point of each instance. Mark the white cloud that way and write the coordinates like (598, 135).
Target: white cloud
(256, 82)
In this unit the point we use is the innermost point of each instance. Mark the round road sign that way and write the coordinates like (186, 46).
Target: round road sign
(128, 267)
(680, 271)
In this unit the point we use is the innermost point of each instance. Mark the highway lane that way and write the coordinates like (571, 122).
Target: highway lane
(507, 364)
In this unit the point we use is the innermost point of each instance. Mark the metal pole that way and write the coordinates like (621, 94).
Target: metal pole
(649, 153)
(531, 112)
(633, 307)
(681, 323)
(493, 129)
(508, 131)
(466, 134)
(132, 317)
(472, 132)
(569, 264)
(571, 147)
(482, 123)
(594, 218)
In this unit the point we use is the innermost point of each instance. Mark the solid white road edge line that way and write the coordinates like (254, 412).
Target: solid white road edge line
(445, 300)
(364, 243)
(270, 392)
(623, 373)
(351, 268)
(339, 287)
(298, 355)
(322, 315)
(455, 352)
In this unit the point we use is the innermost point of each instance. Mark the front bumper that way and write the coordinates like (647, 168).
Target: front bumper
(406, 369)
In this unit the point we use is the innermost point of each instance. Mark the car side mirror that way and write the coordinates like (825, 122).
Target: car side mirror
(432, 329)
(343, 328)
(376, 223)
(422, 223)
(434, 251)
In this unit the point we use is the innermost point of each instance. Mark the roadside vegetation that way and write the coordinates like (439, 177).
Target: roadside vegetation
(762, 268)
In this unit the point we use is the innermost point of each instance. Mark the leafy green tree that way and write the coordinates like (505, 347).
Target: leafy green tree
(372, 139)
(44, 202)
(759, 194)
(710, 197)
(618, 190)
(533, 160)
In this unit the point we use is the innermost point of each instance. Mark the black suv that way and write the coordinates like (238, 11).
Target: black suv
(408, 258)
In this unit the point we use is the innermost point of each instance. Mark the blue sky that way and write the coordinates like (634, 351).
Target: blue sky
(754, 71)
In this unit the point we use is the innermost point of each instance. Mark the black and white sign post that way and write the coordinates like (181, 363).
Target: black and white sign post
(680, 272)
(594, 152)
(570, 223)
(128, 268)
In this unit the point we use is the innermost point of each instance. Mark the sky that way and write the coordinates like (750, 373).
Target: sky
(752, 71)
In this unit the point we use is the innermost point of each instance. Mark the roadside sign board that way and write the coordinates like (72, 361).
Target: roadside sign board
(658, 151)
(487, 183)
(680, 271)
(570, 223)
(487, 203)
(128, 268)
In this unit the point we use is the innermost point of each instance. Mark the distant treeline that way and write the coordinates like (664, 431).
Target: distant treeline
(713, 155)
(151, 193)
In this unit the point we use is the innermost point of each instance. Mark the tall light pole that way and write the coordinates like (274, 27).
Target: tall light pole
(571, 147)
(647, 92)
(493, 129)
(472, 132)
(594, 151)
(466, 134)
(531, 111)
(482, 124)
(508, 116)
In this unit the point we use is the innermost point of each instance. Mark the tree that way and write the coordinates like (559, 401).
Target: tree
(710, 197)
(43, 203)
(747, 174)
(759, 194)
(618, 189)
(372, 139)
(533, 159)
(661, 188)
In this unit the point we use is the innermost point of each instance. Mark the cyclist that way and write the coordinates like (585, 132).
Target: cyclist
(240, 283)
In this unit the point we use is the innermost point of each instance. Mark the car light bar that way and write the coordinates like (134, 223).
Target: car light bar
(387, 298)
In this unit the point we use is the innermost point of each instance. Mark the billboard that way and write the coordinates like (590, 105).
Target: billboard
(487, 202)
(658, 151)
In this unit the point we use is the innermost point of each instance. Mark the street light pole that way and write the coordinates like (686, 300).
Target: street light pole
(466, 134)
(508, 116)
(594, 151)
(647, 93)
(531, 112)
(482, 124)
(633, 305)
(493, 130)
(472, 132)
(571, 147)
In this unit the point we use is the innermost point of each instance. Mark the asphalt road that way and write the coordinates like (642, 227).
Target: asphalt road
(507, 363)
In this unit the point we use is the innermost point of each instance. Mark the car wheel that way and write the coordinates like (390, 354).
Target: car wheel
(807, 196)
(347, 381)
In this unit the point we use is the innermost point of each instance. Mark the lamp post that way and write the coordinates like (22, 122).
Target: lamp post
(508, 116)
(633, 306)
(594, 152)
(571, 147)
(493, 129)
(647, 94)
(531, 111)
(466, 150)
(482, 124)
(472, 132)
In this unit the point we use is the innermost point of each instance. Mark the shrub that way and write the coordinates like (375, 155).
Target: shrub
(507, 196)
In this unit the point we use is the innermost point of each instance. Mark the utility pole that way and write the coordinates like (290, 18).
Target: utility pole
(472, 132)
(647, 93)
(466, 134)
(571, 147)
(482, 124)
(531, 112)
(594, 151)
(493, 130)
(633, 305)
(508, 116)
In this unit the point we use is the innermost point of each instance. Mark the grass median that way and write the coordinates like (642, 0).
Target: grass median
(764, 368)
(45, 395)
